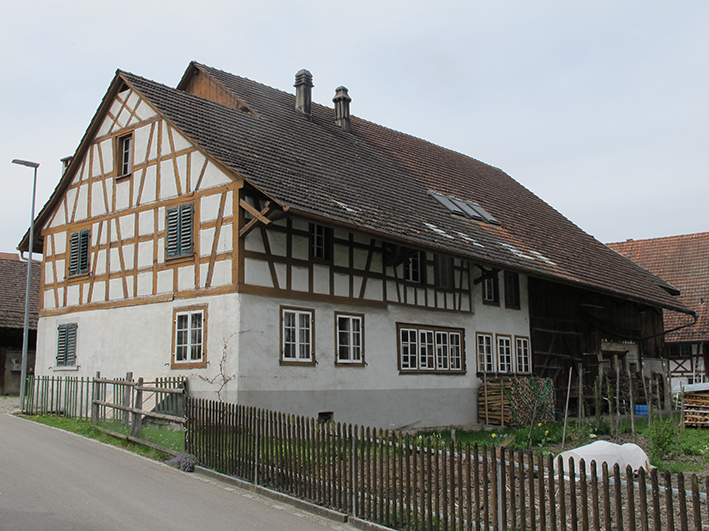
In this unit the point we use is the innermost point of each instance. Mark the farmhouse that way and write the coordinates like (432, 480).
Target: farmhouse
(13, 283)
(291, 256)
(683, 261)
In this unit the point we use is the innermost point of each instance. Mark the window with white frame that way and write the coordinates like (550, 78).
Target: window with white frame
(124, 155)
(413, 268)
(66, 345)
(434, 349)
(350, 335)
(491, 290)
(524, 360)
(297, 335)
(408, 348)
(486, 359)
(189, 335)
(504, 354)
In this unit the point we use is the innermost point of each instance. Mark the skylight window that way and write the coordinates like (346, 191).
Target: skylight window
(467, 209)
(447, 202)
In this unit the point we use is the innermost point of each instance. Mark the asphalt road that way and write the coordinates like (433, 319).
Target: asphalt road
(54, 480)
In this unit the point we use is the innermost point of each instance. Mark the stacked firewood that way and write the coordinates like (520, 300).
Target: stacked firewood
(517, 401)
(695, 409)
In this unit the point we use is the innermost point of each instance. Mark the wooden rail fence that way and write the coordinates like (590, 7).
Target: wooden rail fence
(110, 403)
(407, 482)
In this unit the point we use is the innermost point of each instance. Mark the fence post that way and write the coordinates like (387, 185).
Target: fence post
(136, 417)
(126, 399)
(95, 394)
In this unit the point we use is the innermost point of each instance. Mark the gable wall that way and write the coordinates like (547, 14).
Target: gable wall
(126, 218)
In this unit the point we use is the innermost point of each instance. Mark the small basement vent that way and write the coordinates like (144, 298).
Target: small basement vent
(467, 209)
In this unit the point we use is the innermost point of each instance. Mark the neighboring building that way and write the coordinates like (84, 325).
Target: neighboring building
(13, 286)
(310, 261)
(683, 261)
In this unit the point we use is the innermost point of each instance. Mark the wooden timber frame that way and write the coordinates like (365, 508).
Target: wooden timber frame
(277, 241)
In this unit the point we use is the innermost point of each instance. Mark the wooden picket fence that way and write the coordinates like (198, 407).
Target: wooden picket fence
(63, 396)
(408, 482)
(73, 397)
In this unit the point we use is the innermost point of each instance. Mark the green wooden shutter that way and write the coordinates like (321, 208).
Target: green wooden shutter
(83, 261)
(61, 345)
(70, 344)
(74, 254)
(186, 223)
(173, 228)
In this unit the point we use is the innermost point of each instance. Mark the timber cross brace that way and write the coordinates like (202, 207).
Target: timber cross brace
(259, 216)
(485, 273)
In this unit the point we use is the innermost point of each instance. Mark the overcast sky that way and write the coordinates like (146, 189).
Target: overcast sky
(598, 107)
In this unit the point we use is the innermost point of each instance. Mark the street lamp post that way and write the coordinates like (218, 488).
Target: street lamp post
(25, 333)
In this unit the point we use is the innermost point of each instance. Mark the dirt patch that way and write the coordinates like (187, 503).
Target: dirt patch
(9, 404)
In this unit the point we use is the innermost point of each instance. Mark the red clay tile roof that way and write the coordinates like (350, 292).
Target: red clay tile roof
(683, 261)
(13, 277)
(377, 180)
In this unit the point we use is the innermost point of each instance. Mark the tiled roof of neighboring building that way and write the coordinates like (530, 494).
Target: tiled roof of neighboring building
(378, 180)
(13, 278)
(683, 261)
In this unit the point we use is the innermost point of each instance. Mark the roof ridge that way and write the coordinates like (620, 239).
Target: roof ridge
(675, 237)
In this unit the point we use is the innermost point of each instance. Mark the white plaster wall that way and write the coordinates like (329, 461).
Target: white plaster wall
(139, 339)
(377, 393)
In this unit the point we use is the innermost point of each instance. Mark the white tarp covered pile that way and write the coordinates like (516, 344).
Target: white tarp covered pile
(604, 451)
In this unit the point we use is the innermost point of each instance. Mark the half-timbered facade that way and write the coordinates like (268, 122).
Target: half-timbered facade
(286, 255)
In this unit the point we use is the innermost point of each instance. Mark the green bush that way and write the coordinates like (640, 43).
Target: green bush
(662, 437)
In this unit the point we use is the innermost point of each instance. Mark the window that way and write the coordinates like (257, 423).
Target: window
(443, 271)
(524, 361)
(79, 243)
(297, 336)
(414, 268)
(66, 345)
(320, 242)
(504, 354)
(179, 240)
(680, 351)
(425, 349)
(491, 290)
(189, 336)
(486, 361)
(350, 333)
(124, 155)
(512, 290)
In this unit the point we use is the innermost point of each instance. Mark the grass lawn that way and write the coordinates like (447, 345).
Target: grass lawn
(668, 447)
(84, 428)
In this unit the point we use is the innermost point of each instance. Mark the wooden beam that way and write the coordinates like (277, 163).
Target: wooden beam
(258, 217)
(491, 273)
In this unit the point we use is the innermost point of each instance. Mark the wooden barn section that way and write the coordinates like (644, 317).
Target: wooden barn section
(573, 328)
